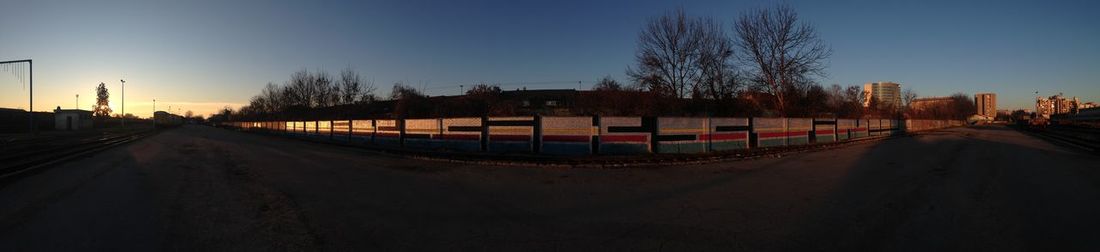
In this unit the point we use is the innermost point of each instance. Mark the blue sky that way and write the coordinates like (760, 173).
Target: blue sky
(201, 55)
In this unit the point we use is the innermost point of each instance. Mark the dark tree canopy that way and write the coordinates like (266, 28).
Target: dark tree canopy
(102, 107)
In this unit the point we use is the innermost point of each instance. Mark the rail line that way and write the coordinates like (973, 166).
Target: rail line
(15, 164)
(1070, 136)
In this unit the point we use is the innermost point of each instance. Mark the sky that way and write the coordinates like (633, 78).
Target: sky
(203, 55)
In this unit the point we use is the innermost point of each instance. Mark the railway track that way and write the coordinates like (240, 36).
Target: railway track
(16, 163)
(1071, 136)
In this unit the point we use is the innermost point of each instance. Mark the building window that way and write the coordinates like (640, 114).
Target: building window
(552, 103)
(526, 103)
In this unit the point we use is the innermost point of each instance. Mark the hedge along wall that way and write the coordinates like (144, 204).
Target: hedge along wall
(511, 134)
(462, 134)
(592, 135)
(728, 134)
(570, 135)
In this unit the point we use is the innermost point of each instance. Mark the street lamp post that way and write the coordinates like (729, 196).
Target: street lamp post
(123, 102)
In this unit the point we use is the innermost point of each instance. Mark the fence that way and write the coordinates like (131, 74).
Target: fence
(580, 135)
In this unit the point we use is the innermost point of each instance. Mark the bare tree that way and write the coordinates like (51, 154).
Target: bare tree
(962, 106)
(780, 51)
(667, 53)
(301, 91)
(326, 93)
(366, 92)
(350, 85)
(718, 78)
(907, 97)
(408, 101)
(607, 84)
(273, 98)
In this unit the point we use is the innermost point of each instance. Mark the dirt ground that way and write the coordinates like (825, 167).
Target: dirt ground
(200, 188)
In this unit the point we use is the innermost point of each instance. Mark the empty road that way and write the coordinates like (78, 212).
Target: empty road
(198, 188)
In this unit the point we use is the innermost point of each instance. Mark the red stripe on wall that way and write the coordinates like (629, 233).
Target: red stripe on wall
(783, 134)
(771, 134)
(625, 138)
(460, 137)
(798, 133)
(566, 138)
(509, 137)
(725, 136)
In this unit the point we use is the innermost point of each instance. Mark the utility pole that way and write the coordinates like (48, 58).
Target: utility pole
(123, 102)
(30, 115)
(154, 106)
(77, 101)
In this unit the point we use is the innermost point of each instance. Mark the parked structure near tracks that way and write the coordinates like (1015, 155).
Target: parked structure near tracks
(163, 119)
(72, 119)
(585, 135)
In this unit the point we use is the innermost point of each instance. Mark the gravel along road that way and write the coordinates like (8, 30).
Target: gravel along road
(198, 188)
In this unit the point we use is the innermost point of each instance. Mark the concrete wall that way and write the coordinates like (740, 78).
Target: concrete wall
(388, 132)
(362, 131)
(624, 136)
(682, 134)
(582, 135)
(825, 130)
(571, 135)
(728, 133)
(462, 134)
(798, 130)
(511, 134)
(770, 132)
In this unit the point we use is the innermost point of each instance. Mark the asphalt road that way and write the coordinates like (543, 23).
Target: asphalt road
(198, 188)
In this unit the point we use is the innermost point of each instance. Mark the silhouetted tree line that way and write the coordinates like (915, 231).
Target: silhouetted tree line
(959, 107)
(764, 64)
(306, 94)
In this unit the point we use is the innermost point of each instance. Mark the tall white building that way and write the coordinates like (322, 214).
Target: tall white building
(986, 104)
(886, 94)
